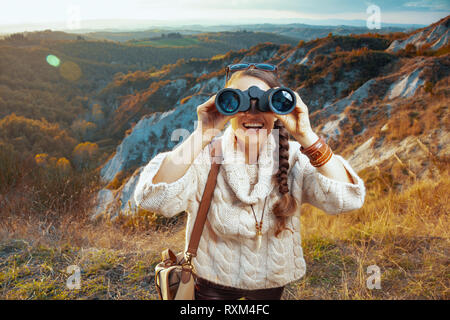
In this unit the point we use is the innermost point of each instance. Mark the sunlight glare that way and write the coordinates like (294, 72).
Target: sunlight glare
(53, 60)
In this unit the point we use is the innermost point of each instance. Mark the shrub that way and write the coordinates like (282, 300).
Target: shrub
(84, 155)
(185, 99)
(35, 136)
(57, 188)
(10, 171)
(428, 87)
(116, 182)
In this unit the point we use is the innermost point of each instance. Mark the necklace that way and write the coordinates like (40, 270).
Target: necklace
(259, 226)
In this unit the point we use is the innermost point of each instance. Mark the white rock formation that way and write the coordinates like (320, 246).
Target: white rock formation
(357, 97)
(406, 86)
(435, 35)
(158, 132)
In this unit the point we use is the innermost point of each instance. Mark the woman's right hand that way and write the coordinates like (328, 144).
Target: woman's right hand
(211, 121)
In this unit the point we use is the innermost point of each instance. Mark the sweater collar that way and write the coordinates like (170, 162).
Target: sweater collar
(235, 168)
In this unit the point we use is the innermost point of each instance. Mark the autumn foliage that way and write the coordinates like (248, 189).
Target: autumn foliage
(84, 154)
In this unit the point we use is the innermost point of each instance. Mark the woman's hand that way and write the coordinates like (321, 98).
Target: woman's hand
(210, 120)
(297, 123)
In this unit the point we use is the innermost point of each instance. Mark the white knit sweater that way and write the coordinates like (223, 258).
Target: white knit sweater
(227, 252)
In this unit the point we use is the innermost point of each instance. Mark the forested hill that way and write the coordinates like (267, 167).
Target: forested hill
(143, 54)
(55, 76)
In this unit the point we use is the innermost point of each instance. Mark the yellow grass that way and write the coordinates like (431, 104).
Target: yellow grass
(404, 233)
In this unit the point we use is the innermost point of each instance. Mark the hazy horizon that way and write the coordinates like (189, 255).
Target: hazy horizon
(136, 15)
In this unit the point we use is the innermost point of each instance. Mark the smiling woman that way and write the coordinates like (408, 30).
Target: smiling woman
(242, 121)
(250, 246)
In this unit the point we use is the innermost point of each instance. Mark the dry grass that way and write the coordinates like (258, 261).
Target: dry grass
(404, 233)
(116, 262)
(116, 259)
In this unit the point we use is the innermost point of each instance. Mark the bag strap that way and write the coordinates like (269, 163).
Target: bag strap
(205, 203)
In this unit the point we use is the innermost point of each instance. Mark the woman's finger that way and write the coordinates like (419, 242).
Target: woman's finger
(283, 117)
(210, 101)
(300, 104)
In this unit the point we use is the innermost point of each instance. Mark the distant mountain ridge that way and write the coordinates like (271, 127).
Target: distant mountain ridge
(298, 31)
(124, 25)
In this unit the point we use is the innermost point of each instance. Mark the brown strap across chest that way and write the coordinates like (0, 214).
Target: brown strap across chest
(205, 203)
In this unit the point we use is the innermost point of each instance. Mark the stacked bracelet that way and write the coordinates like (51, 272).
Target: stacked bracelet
(318, 153)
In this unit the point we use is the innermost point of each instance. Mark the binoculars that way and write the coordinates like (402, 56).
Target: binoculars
(231, 101)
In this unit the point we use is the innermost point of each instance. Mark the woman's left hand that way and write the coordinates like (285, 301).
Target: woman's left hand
(297, 123)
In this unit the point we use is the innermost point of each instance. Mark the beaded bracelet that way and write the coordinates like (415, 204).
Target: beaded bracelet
(318, 153)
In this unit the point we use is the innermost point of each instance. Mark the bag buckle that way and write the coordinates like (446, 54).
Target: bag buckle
(188, 259)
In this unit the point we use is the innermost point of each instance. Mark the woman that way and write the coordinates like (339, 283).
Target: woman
(249, 199)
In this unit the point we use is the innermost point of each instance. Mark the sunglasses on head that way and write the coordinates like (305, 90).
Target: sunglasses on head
(243, 66)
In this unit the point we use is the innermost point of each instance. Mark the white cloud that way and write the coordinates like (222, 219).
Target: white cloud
(433, 5)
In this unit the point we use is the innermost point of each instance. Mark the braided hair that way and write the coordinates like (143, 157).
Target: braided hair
(287, 205)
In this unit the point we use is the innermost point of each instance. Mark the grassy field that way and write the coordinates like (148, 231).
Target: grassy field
(405, 234)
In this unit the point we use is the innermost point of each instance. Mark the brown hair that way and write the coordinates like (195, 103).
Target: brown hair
(287, 205)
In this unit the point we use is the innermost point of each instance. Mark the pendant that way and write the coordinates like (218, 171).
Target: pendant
(258, 240)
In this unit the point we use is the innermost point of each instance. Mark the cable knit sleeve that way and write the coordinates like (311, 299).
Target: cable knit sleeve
(167, 199)
(327, 194)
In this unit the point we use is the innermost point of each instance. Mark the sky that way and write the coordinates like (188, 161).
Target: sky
(75, 13)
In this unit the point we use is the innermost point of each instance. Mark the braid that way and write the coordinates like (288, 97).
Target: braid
(283, 157)
(287, 205)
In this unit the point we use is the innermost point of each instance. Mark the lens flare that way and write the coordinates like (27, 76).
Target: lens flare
(53, 60)
(70, 70)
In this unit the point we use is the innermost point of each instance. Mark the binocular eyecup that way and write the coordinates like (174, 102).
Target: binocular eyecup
(280, 100)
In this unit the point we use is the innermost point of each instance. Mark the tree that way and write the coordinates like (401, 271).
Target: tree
(10, 166)
(63, 165)
(97, 113)
(41, 159)
(83, 130)
(84, 155)
(410, 49)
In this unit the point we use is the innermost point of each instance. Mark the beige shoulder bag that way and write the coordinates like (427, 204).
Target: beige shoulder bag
(174, 277)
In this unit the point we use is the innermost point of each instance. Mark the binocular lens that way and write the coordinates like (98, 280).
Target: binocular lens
(282, 101)
(229, 101)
